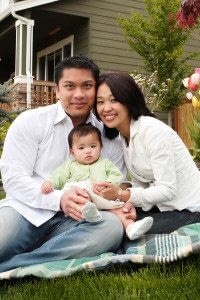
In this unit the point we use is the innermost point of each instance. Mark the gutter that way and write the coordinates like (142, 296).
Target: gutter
(22, 5)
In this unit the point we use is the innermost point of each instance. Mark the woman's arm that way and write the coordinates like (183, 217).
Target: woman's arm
(159, 151)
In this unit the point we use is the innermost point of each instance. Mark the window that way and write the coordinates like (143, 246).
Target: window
(49, 57)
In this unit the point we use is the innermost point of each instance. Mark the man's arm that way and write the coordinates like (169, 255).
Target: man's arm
(17, 165)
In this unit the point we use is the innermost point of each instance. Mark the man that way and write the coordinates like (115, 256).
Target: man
(35, 227)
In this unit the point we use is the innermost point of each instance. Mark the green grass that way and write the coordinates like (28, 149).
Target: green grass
(177, 281)
(2, 194)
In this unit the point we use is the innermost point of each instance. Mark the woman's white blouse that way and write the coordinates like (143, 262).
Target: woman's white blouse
(162, 170)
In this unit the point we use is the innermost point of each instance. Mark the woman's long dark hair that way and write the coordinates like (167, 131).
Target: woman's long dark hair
(127, 92)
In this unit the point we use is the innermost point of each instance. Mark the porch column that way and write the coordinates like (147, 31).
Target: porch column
(23, 51)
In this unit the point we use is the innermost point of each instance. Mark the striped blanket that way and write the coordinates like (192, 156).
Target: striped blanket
(159, 248)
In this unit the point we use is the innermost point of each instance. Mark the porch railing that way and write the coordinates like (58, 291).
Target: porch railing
(43, 93)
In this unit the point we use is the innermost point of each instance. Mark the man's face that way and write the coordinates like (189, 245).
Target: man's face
(76, 92)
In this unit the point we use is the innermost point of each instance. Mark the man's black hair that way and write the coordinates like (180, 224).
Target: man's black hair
(78, 62)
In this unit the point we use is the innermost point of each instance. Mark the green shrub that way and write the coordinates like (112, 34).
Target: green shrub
(160, 42)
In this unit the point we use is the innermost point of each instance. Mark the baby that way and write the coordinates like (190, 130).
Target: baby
(89, 167)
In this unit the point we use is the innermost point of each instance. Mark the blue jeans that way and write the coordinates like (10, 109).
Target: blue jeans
(22, 243)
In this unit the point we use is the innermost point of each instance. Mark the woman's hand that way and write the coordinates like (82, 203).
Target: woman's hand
(130, 211)
(106, 190)
(127, 212)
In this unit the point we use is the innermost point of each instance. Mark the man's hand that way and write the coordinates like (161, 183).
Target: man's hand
(72, 201)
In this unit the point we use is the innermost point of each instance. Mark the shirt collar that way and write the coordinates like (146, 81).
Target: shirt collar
(134, 129)
(61, 115)
(91, 119)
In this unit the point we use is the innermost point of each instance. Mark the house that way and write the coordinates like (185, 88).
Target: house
(36, 34)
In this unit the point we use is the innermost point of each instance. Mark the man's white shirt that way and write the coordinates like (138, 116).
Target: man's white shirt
(36, 144)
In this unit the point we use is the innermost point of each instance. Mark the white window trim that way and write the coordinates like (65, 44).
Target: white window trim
(53, 48)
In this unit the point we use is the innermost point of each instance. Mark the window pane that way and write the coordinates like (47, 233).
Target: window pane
(42, 68)
(67, 50)
(50, 67)
(58, 56)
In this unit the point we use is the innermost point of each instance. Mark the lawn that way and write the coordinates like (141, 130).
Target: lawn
(179, 280)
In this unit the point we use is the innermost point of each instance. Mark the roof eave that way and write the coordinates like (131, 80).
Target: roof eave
(22, 5)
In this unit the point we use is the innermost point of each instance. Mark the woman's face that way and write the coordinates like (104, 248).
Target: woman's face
(112, 113)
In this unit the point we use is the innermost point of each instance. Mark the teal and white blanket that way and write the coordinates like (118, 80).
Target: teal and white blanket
(159, 248)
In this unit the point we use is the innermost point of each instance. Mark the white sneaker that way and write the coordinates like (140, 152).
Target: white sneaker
(138, 228)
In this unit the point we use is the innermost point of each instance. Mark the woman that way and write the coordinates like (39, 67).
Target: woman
(165, 180)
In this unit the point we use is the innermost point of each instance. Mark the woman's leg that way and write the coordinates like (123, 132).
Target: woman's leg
(168, 221)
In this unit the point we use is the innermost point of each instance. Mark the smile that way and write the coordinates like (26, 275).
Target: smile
(109, 117)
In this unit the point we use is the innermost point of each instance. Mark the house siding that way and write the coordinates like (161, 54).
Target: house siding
(107, 43)
(103, 39)
(81, 39)
(98, 33)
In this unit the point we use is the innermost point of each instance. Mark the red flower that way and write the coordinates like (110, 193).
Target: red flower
(188, 13)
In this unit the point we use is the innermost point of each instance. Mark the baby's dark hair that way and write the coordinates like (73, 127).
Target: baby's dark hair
(83, 130)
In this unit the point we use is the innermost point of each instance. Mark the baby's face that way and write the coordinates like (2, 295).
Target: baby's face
(86, 149)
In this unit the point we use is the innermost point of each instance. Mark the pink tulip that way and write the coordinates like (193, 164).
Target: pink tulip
(195, 78)
(197, 70)
(191, 85)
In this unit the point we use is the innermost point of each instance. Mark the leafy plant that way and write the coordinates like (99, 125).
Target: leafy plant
(4, 126)
(149, 87)
(6, 117)
(194, 132)
(5, 97)
(192, 83)
(158, 39)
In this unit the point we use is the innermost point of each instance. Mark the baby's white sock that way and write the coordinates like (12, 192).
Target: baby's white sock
(91, 213)
(138, 228)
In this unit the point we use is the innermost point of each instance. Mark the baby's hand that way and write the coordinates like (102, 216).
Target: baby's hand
(47, 187)
(106, 190)
(99, 187)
